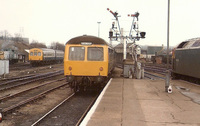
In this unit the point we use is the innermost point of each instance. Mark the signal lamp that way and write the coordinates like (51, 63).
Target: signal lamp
(110, 34)
(142, 34)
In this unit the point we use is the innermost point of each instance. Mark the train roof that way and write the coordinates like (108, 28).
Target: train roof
(43, 49)
(87, 38)
(46, 49)
(191, 43)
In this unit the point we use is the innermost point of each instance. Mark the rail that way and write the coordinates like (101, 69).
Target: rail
(40, 119)
(10, 108)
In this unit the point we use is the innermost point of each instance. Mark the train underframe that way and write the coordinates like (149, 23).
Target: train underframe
(185, 77)
(84, 83)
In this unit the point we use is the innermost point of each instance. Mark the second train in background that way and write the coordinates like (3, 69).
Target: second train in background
(43, 56)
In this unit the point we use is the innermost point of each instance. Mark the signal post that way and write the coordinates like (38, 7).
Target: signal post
(130, 68)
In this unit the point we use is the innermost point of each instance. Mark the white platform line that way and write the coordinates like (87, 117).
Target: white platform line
(92, 110)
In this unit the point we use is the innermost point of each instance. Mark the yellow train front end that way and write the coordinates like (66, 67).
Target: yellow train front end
(35, 55)
(89, 61)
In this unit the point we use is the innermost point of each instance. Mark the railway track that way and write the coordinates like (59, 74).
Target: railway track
(152, 71)
(12, 101)
(26, 80)
(71, 111)
(156, 69)
(25, 70)
(19, 66)
(75, 108)
(153, 76)
(15, 78)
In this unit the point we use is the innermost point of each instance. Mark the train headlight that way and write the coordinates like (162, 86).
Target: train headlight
(70, 68)
(1, 116)
(101, 68)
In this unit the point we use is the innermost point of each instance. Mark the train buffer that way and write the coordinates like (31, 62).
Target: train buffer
(143, 102)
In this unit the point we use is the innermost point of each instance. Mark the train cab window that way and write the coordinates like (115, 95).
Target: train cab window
(31, 53)
(39, 53)
(183, 44)
(77, 53)
(35, 53)
(95, 54)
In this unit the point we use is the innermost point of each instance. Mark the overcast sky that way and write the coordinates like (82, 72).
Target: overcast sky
(60, 20)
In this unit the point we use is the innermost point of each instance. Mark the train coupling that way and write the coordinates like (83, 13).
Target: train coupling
(99, 79)
(70, 78)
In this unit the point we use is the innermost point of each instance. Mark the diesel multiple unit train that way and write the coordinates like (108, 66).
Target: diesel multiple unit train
(42, 56)
(88, 61)
(186, 61)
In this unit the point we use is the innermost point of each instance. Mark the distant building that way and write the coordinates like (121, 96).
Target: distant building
(145, 53)
(15, 45)
(152, 50)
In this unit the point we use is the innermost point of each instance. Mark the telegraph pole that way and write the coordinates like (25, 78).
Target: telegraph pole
(167, 83)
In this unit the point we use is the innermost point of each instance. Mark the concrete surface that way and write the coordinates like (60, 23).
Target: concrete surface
(132, 102)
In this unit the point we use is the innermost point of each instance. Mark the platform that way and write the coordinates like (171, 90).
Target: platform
(132, 102)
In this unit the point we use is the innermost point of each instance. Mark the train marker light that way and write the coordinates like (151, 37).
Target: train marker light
(1, 116)
(70, 68)
(101, 68)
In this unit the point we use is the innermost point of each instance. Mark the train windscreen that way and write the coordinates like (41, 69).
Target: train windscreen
(95, 54)
(39, 53)
(35, 53)
(77, 53)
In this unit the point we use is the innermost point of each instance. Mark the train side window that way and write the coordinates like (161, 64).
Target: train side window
(95, 54)
(31, 53)
(39, 53)
(77, 53)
